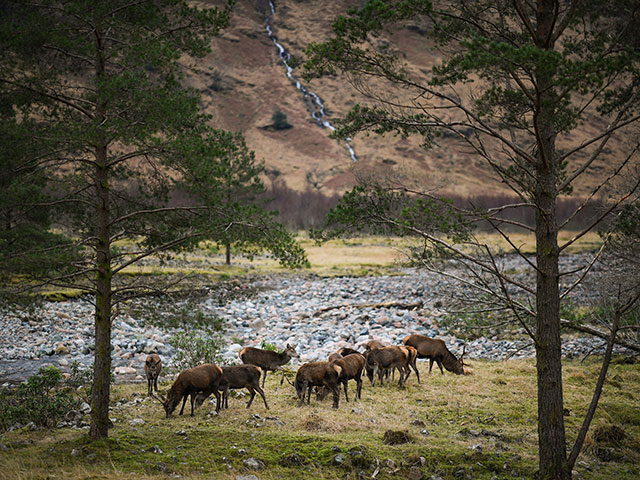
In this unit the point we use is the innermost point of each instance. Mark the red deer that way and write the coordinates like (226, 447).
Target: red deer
(372, 345)
(352, 366)
(238, 376)
(411, 362)
(268, 360)
(379, 359)
(203, 378)
(320, 374)
(343, 352)
(334, 356)
(435, 350)
(152, 367)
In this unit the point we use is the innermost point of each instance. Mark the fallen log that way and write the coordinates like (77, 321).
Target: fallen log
(401, 305)
(598, 333)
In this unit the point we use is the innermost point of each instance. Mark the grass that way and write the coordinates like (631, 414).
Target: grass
(479, 426)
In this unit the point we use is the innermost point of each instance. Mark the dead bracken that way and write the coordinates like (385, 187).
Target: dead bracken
(397, 437)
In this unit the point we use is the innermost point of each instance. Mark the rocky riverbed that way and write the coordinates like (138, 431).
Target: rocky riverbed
(318, 315)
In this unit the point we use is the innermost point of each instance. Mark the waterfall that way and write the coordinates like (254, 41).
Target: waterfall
(313, 102)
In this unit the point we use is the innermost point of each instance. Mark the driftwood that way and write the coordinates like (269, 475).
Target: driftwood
(404, 306)
(598, 333)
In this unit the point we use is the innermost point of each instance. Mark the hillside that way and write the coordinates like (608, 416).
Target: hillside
(246, 83)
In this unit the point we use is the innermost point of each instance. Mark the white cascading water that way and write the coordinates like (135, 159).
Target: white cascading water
(312, 101)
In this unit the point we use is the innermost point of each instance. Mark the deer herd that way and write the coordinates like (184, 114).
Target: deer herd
(376, 361)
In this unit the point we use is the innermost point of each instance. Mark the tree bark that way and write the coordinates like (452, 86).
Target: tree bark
(101, 390)
(102, 358)
(227, 249)
(551, 430)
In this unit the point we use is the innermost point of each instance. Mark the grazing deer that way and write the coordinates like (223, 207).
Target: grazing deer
(201, 379)
(435, 350)
(238, 376)
(320, 374)
(152, 368)
(412, 355)
(380, 359)
(352, 366)
(268, 360)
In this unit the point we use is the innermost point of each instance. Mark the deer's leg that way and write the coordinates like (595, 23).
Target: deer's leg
(149, 387)
(261, 392)
(301, 392)
(218, 399)
(415, 369)
(264, 377)
(184, 400)
(375, 372)
(358, 387)
(430, 364)
(282, 379)
(225, 396)
(193, 400)
(253, 394)
(401, 381)
(344, 383)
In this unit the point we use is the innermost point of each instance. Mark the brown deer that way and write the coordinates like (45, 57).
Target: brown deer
(412, 355)
(235, 377)
(152, 368)
(352, 366)
(435, 350)
(320, 374)
(380, 359)
(201, 379)
(268, 360)
(342, 352)
(372, 345)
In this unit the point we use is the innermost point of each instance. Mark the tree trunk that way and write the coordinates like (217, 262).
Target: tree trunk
(551, 431)
(102, 359)
(101, 390)
(227, 247)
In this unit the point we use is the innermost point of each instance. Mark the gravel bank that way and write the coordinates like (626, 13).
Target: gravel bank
(290, 309)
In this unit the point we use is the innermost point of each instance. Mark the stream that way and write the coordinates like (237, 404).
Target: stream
(312, 101)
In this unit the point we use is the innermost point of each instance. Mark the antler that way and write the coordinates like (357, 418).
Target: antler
(464, 350)
(290, 382)
(159, 397)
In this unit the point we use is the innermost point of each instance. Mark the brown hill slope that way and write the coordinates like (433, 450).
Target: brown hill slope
(249, 84)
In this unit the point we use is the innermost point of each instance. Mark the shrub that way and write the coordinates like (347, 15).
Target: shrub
(264, 345)
(193, 349)
(42, 399)
(279, 120)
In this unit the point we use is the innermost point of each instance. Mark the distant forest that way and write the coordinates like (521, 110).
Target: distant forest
(301, 210)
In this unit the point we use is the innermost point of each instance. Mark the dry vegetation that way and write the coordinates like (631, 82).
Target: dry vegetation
(479, 426)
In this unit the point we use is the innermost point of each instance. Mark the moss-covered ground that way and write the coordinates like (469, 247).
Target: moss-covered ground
(481, 426)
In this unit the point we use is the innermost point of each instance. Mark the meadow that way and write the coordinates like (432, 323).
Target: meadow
(481, 425)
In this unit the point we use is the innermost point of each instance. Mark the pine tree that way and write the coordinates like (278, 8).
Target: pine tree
(112, 128)
(525, 78)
